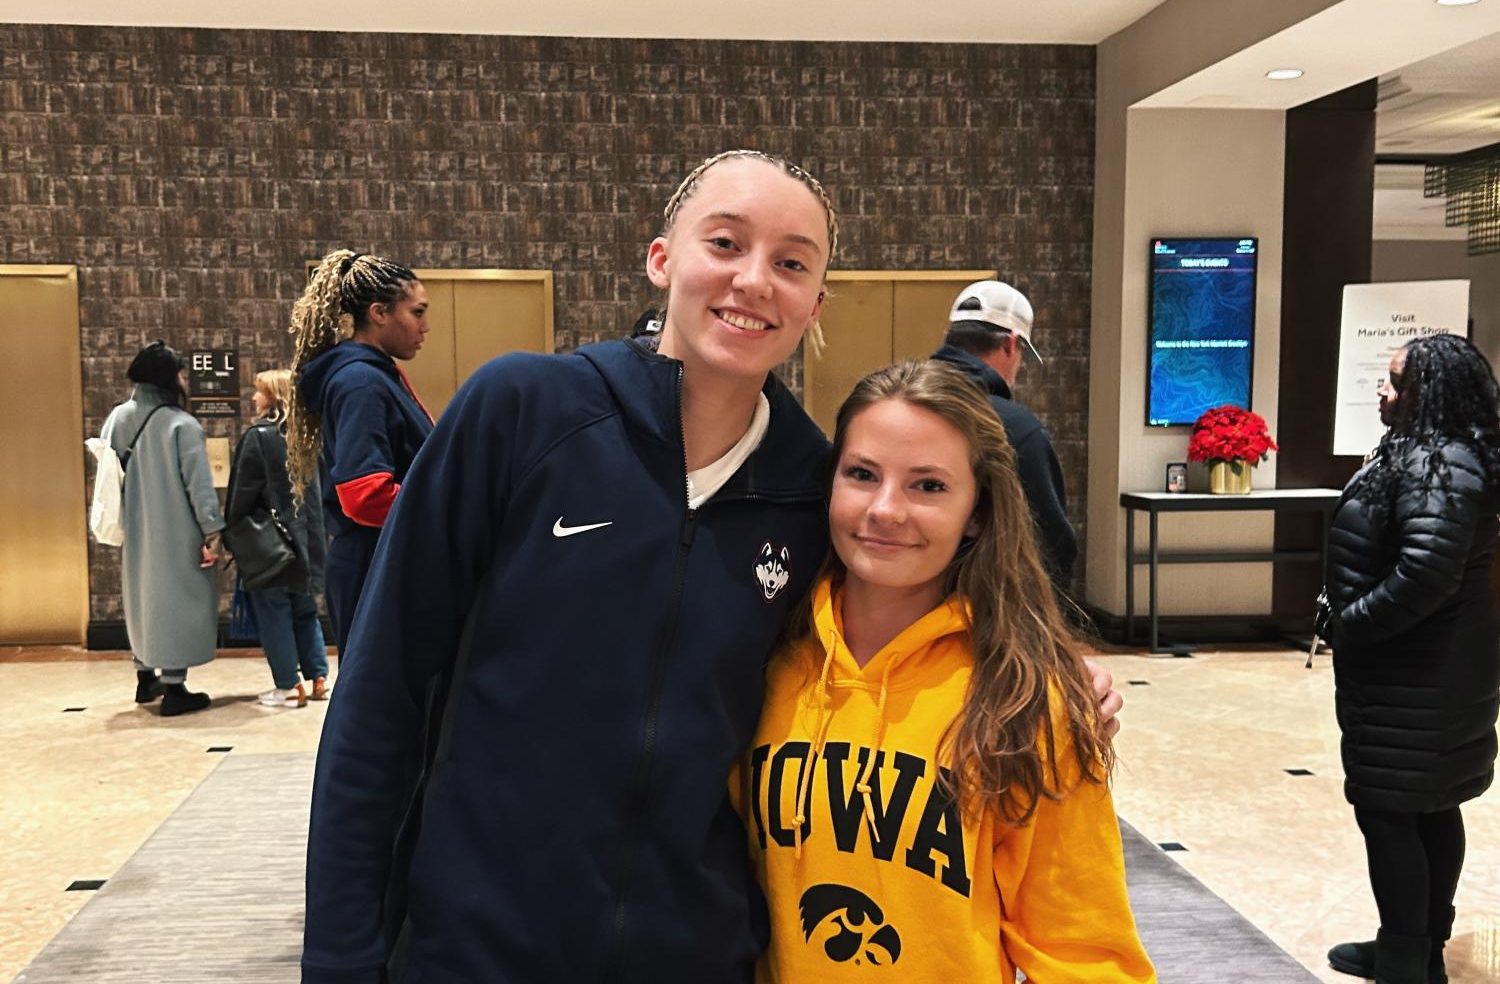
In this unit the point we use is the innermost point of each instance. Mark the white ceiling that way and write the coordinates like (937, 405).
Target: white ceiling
(1444, 104)
(1021, 21)
(1439, 71)
(1339, 46)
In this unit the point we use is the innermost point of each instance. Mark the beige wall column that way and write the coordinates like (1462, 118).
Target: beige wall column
(1176, 172)
(1190, 173)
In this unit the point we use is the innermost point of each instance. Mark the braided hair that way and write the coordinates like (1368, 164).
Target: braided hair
(334, 305)
(690, 185)
(1446, 393)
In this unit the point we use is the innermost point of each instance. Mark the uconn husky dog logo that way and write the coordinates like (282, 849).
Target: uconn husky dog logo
(773, 569)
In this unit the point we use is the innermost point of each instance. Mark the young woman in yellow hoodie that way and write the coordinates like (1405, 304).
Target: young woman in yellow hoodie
(927, 794)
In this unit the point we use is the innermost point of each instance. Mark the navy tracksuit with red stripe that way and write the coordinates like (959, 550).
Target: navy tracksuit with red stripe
(373, 426)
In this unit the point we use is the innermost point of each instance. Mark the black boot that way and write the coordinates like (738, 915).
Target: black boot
(147, 686)
(1401, 959)
(177, 699)
(1357, 959)
(1440, 925)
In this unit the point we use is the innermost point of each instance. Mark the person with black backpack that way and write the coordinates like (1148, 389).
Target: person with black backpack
(172, 522)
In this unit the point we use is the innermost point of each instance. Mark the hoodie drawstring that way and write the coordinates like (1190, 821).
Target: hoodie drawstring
(820, 734)
(866, 774)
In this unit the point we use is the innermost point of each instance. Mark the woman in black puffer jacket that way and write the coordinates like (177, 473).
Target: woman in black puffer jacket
(1417, 645)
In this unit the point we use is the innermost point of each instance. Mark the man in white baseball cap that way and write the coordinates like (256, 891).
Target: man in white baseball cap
(989, 327)
(998, 308)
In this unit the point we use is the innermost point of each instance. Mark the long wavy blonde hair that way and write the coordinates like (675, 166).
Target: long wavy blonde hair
(332, 307)
(1001, 748)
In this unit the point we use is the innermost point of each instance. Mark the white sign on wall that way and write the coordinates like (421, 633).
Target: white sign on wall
(1377, 320)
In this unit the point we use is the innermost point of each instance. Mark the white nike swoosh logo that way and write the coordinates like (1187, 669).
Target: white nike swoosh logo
(559, 530)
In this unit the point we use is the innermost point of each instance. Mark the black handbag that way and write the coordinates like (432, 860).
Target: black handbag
(262, 546)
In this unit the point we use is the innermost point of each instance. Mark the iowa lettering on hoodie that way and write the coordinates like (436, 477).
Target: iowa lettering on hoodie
(934, 846)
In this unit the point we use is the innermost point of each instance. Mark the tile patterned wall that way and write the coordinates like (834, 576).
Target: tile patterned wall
(191, 173)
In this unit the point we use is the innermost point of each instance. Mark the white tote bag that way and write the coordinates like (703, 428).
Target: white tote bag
(106, 518)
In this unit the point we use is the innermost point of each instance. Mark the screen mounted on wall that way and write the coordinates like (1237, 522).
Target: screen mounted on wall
(1201, 327)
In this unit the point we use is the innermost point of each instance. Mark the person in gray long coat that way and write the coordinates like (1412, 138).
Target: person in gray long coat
(172, 523)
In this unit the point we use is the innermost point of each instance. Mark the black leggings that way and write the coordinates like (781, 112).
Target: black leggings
(1415, 859)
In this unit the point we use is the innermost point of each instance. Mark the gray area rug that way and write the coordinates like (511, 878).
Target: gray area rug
(215, 895)
(1192, 935)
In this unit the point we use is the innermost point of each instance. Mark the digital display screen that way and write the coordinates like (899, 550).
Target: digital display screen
(1202, 327)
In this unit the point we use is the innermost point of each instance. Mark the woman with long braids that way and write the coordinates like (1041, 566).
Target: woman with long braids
(1415, 636)
(354, 411)
(928, 790)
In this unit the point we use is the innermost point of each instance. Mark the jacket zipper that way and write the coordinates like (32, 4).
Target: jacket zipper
(636, 798)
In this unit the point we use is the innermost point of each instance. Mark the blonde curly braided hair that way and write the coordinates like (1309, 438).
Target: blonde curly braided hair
(337, 298)
(690, 185)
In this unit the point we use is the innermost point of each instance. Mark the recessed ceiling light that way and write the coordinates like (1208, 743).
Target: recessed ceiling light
(1455, 3)
(1282, 74)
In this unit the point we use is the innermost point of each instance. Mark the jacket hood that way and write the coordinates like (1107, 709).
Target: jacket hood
(902, 653)
(791, 460)
(976, 367)
(312, 380)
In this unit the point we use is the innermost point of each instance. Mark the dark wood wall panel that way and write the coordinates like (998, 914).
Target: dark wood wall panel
(1329, 211)
(191, 173)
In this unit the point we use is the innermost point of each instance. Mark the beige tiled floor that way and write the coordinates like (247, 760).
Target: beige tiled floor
(1202, 756)
(1203, 752)
(80, 791)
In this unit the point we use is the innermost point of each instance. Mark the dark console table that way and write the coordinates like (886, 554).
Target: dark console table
(1154, 504)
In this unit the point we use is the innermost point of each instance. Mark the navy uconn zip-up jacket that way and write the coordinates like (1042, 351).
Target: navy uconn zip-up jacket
(603, 654)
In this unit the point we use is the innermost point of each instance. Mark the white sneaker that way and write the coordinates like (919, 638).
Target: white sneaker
(294, 697)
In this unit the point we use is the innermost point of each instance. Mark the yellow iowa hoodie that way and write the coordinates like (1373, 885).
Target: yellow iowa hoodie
(893, 884)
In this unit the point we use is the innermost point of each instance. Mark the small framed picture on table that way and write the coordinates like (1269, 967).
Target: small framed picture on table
(1177, 476)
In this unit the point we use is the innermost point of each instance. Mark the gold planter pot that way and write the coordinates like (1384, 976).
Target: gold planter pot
(1229, 477)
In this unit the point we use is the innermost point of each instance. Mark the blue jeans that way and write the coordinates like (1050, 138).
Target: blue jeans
(290, 633)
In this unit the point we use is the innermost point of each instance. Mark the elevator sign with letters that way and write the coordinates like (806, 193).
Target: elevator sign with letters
(214, 382)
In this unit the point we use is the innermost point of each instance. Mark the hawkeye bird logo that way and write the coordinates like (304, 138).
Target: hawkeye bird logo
(773, 570)
(852, 914)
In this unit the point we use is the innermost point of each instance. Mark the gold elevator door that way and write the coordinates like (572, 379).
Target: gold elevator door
(473, 316)
(44, 564)
(871, 319)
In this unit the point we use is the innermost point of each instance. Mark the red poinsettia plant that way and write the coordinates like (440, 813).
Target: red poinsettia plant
(1230, 433)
